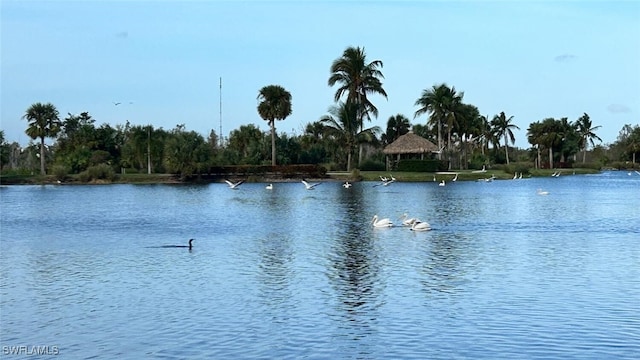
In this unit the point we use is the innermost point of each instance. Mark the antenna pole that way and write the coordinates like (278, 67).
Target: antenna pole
(221, 139)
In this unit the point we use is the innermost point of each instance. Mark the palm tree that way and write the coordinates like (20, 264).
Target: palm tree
(443, 104)
(586, 133)
(44, 122)
(357, 79)
(275, 104)
(503, 127)
(535, 134)
(397, 125)
(342, 124)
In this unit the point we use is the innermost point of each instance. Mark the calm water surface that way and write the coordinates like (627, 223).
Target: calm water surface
(291, 273)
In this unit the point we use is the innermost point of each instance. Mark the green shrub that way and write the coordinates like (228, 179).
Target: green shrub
(60, 172)
(372, 165)
(421, 165)
(97, 172)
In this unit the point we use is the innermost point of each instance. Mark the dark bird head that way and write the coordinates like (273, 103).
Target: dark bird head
(190, 243)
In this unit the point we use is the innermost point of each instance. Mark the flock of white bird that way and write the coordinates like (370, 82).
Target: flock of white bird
(413, 224)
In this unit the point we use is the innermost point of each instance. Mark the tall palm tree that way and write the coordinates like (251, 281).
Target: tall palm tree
(44, 122)
(357, 79)
(535, 134)
(443, 104)
(503, 127)
(587, 134)
(275, 104)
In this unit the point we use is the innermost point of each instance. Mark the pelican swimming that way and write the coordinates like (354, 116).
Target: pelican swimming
(540, 192)
(269, 187)
(309, 186)
(233, 185)
(455, 178)
(442, 183)
(378, 223)
(406, 221)
(346, 185)
(420, 226)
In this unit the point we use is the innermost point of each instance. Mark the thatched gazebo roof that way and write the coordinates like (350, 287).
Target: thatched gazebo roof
(410, 143)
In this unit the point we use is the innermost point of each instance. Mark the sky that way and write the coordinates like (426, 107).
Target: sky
(202, 63)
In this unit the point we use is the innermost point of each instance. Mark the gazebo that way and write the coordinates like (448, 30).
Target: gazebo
(411, 144)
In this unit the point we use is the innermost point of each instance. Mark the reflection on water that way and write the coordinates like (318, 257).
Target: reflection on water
(291, 273)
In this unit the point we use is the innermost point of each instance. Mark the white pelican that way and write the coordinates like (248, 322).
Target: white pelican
(434, 178)
(540, 192)
(385, 222)
(309, 186)
(520, 177)
(442, 183)
(392, 178)
(455, 178)
(406, 221)
(269, 187)
(515, 176)
(346, 185)
(384, 179)
(420, 226)
(637, 172)
(234, 186)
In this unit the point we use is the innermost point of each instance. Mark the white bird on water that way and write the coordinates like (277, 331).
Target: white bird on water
(379, 223)
(269, 187)
(309, 186)
(346, 185)
(233, 185)
(406, 220)
(442, 183)
(420, 226)
(455, 178)
(540, 192)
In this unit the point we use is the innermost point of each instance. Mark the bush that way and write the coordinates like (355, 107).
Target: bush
(422, 165)
(372, 165)
(60, 172)
(98, 172)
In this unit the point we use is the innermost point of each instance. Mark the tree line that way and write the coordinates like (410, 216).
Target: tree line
(465, 138)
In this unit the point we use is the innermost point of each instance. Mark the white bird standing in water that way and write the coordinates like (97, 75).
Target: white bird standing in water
(442, 183)
(455, 178)
(269, 187)
(540, 192)
(378, 223)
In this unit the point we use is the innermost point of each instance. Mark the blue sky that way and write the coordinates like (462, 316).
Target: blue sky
(163, 60)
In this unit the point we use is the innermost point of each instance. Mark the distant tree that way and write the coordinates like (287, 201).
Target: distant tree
(535, 134)
(4, 151)
(44, 122)
(443, 104)
(357, 79)
(503, 128)
(586, 131)
(186, 152)
(397, 125)
(275, 104)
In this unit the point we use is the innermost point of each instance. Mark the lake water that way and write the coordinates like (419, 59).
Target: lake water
(290, 273)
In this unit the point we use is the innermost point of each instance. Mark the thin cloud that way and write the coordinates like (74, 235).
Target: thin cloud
(618, 108)
(122, 35)
(565, 57)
